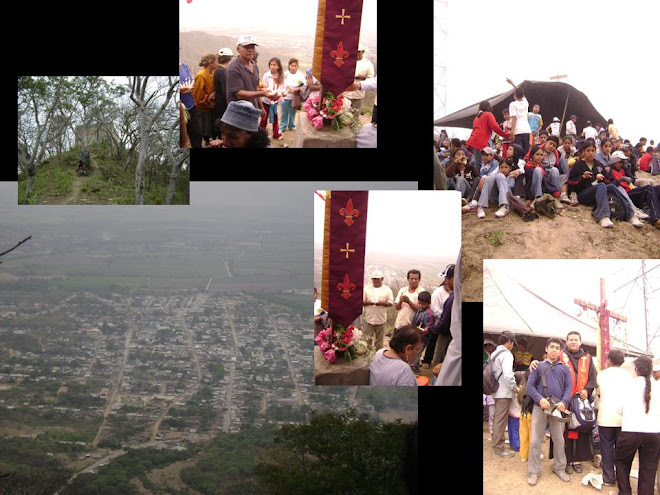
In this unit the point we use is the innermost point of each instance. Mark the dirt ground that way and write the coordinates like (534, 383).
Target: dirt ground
(572, 234)
(509, 475)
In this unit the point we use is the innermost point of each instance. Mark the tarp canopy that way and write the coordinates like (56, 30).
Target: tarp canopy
(556, 99)
(510, 305)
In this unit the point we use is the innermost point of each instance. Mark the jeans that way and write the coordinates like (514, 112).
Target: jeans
(477, 159)
(608, 437)
(494, 184)
(288, 115)
(597, 195)
(514, 433)
(649, 195)
(539, 420)
(461, 184)
(523, 141)
(648, 446)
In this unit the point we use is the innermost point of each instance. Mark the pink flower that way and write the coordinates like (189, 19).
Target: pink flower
(330, 356)
(317, 122)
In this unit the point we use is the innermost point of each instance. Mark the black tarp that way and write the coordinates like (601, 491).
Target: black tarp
(552, 98)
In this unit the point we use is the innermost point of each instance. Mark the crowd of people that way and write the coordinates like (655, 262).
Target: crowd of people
(226, 80)
(517, 164)
(421, 334)
(563, 396)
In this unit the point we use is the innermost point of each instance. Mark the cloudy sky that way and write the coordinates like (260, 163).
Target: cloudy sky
(283, 16)
(608, 49)
(561, 281)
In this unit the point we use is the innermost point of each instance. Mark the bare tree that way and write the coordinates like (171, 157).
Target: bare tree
(151, 103)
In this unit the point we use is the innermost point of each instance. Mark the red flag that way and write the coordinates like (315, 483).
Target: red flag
(344, 244)
(336, 44)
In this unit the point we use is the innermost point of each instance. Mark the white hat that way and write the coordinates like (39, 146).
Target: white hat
(376, 274)
(617, 156)
(556, 119)
(489, 341)
(225, 52)
(246, 39)
(361, 48)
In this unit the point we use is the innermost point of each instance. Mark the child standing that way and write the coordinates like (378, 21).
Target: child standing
(423, 319)
(525, 423)
(294, 82)
(274, 81)
(535, 123)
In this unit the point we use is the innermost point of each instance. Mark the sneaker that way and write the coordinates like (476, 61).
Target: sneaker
(502, 212)
(558, 205)
(471, 206)
(464, 201)
(562, 476)
(635, 221)
(532, 479)
(641, 215)
(542, 457)
(568, 469)
(598, 460)
(280, 138)
(563, 197)
(577, 467)
(606, 222)
(503, 453)
(574, 199)
(480, 212)
(523, 459)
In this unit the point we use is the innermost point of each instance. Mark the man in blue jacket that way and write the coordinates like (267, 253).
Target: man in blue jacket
(559, 382)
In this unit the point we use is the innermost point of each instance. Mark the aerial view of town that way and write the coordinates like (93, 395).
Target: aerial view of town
(160, 352)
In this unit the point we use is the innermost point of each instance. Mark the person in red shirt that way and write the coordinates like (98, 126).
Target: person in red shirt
(483, 126)
(645, 160)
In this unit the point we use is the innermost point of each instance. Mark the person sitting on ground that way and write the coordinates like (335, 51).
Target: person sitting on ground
(454, 144)
(489, 166)
(619, 176)
(240, 127)
(631, 165)
(461, 175)
(567, 150)
(537, 178)
(390, 367)
(604, 153)
(511, 173)
(587, 179)
(645, 160)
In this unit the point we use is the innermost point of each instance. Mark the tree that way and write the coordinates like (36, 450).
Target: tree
(337, 453)
(151, 101)
(33, 481)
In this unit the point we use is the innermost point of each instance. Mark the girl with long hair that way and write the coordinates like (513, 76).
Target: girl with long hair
(274, 81)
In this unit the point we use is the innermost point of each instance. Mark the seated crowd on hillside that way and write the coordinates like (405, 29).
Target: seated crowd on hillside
(534, 169)
(228, 104)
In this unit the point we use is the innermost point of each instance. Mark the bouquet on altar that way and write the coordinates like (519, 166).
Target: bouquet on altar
(334, 111)
(336, 341)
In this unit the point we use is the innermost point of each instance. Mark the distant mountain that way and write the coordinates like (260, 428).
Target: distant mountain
(194, 44)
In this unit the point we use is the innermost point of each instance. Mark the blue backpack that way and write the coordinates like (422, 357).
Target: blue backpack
(583, 415)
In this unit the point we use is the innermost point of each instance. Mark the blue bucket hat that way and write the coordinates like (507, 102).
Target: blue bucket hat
(243, 115)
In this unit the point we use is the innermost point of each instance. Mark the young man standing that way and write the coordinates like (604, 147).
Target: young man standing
(406, 299)
(519, 110)
(503, 370)
(613, 382)
(558, 379)
(377, 299)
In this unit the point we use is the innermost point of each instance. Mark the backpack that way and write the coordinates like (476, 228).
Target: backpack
(617, 210)
(491, 384)
(583, 416)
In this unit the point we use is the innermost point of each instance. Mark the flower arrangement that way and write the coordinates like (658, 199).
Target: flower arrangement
(335, 109)
(336, 341)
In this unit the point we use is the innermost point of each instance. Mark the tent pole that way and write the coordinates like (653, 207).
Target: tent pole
(563, 115)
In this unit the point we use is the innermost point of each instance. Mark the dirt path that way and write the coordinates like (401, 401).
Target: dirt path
(509, 475)
(572, 234)
(73, 197)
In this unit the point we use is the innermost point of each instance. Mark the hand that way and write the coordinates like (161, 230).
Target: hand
(184, 90)
(545, 405)
(600, 177)
(215, 143)
(263, 113)
(354, 87)
(533, 365)
(584, 394)
(264, 92)
(561, 407)
(212, 96)
(587, 175)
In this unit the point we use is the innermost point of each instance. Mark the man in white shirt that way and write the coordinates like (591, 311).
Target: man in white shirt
(518, 110)
(571, 130)
(612, 385)
(406, 299)
(502, 368)
(377, 299)
(364, 69)
(590, 132)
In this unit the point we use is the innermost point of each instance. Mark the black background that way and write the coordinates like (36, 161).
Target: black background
(123, 38)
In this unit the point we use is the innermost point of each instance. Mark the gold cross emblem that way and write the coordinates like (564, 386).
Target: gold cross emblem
(347, 250)
(342, 16)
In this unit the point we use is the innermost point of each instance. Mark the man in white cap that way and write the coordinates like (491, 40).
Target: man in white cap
(555, 127)
(220, 84)
(243, 75)
(376, 301)
(364, 69)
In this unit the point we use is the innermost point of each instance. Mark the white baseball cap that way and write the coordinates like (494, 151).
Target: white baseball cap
(246, 39)
(225, 52)
(376, 274)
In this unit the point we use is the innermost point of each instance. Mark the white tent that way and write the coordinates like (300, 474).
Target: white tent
(509, 304)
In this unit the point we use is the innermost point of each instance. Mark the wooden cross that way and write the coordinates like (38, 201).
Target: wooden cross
(347, 250)
(342, 16)
(604, 316)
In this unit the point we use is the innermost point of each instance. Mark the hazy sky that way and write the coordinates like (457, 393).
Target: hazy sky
(419, 224)
(608, 49)
(560, 281)
(283, 16)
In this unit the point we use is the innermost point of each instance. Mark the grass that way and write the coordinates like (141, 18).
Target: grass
(495, 238)
(53, 179)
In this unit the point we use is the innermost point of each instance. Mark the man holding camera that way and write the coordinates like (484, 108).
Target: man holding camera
(549, 386)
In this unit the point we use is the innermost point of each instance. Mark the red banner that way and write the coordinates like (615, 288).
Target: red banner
(336, 44)
(345, 238)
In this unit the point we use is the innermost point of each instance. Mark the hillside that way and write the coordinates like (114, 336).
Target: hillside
(57, 182)
(572, 234)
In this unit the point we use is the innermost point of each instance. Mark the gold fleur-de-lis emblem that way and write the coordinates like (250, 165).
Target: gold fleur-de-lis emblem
(339, 54)
(349, 212)
(346, 287)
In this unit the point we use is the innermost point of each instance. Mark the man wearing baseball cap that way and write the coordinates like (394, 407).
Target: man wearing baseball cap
(225, 56)
(503, 368)
(571, 130)
(364, 69)
(243, 75)
(377, 299)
